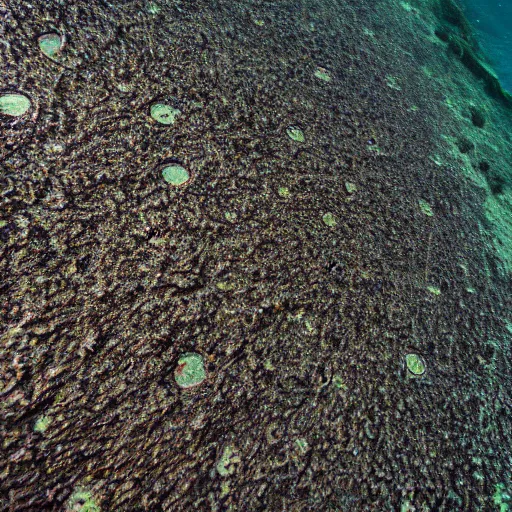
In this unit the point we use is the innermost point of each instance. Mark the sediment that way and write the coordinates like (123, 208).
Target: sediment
(302, 273)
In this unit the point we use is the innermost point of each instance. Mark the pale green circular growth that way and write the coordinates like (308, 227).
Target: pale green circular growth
(175, 175)
(190, 371)
(295, 134)
(426, 208)
(164, 114)
(14, 104)
(50, 44)
(42, 424)
(415, 364)
(329, 220)
(323, 74)
(82, 501)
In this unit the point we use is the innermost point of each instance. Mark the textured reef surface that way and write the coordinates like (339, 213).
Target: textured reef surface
(254, 256)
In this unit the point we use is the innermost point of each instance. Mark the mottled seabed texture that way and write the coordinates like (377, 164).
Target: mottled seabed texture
(254, 256)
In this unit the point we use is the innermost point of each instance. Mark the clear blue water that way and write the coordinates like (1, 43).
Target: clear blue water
(492, 20)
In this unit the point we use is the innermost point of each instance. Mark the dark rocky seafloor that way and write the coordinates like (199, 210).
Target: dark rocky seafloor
(302, 272)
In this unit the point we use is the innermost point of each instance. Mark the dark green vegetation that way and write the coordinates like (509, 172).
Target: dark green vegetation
(234, 337)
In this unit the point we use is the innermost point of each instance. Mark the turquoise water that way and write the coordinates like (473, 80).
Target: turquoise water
(492, 20)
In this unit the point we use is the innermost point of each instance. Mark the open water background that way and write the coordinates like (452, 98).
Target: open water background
(492, 20)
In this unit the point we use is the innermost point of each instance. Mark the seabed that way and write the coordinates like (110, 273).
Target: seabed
(254, 256)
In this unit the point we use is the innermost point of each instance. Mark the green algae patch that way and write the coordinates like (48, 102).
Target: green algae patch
(228, 460)
(82, 501)
(14, 104)
(302, 445)
(406, 506)
(175, 175)
(434, 290)
(230, 216)
(339, 383)
(415, 364)
(295, 134)
(267, 364)
(392, 82)
(283, 191)
(164, 114)
(350, 187)
(323, 74)
(502, 498)
(329, 220)
(190, 371)
(153, 8)
(426, 208)
(225, 286)
(50, 45)
(42, 424)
